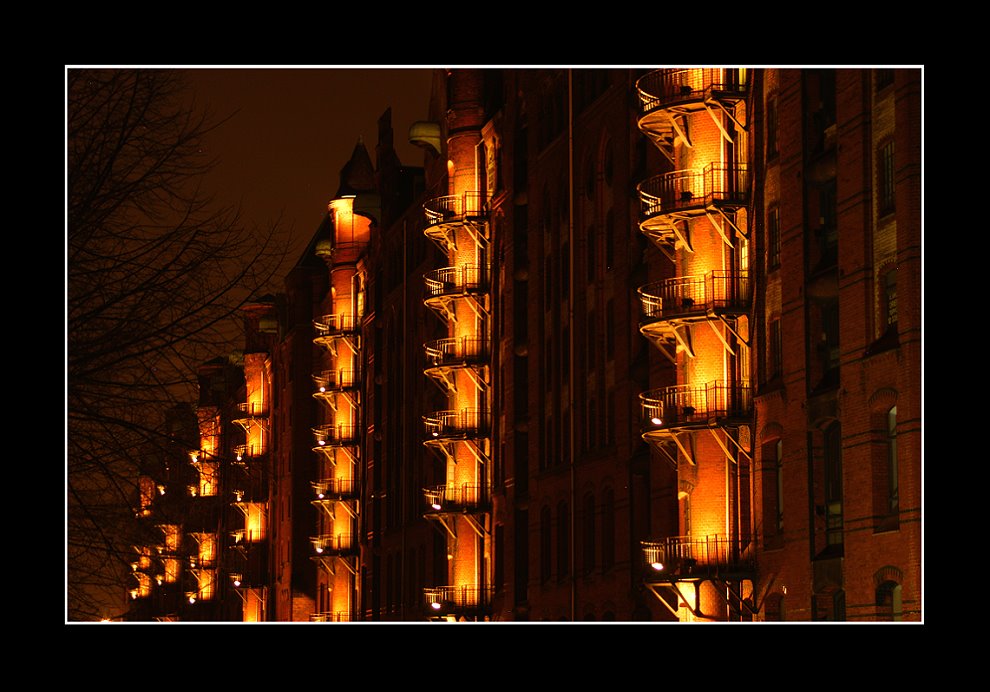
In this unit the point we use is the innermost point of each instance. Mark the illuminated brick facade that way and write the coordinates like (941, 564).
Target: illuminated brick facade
(630, 345)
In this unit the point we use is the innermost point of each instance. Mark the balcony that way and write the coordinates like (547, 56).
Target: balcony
(689, 88)
(335, 435)
(243, 453)
(458, 600)
(336, 616)
(466, 424)
(456, 499)
(446, 214)
(466, 279)
(683, 558)
(667, 96)
(331, 328)
(671, 306)
(330, 545)
(695, 406)
(332, 381)
(465, 351)
(335, 488)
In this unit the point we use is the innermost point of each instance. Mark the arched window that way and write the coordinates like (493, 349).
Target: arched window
(546, 554)
(588, 532)
(563, 540)
(889, 601)
(608, 529)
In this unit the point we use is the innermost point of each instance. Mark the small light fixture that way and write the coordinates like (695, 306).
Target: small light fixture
(323, 442)
(656, 421)
(436, 434)
(237, 582)
(323, 389)
(319, 549)
(192, 599)
(320, 495)
(435, 605)
(658, 566)
(435, 505)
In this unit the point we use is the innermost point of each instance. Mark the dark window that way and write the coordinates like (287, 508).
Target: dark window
(563, 541)
(592, 269)
(884, 78)
(885, 178)
(775, 350)
(589, 533)
(773, 495)
(773, 609)
(771, 127)
(889, 601)
(773, 239)
(521, 557)
(608, 530)
(833, 485)
(610, 329)
(890, 298)
(546, 541)
(609, 240)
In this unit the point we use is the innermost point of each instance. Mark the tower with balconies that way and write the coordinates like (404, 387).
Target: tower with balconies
(337, 385)
(698, 214)
(460, 295)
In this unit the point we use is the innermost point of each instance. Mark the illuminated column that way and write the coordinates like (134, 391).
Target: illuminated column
(337, 385)
(459, 294)
(697, 214)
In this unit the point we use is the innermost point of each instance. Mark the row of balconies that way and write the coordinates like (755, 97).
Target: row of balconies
(329, 381)
(683, 296)
(457, 499)
(466, 424)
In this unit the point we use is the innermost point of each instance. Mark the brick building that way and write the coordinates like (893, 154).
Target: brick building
(629, 345)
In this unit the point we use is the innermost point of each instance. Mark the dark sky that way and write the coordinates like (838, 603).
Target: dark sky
(281, 153)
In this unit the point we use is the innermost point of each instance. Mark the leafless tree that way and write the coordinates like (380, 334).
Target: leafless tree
(155, 271)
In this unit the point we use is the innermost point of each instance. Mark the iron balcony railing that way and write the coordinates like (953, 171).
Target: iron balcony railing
(466, 423)
(242, 452)
(329, 325)
(333, 435)
(336, 616)
(336, 380)
(466, 497)
(253, 409)
(333, 544)
(663, 88)
(465, 350)
(244, 536)
(450, 281)
(689, 404)
(715, 184)
(442, 600)
(681, 556)
(334, 487)
(685, 295)
(455, 207)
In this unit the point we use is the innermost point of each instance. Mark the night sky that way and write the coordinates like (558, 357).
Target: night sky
(282, 151)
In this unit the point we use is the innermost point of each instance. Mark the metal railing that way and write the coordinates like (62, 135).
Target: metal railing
(335, 380)
(334, 486)
(668, 87)
(716, 183)
(333, 543)
(682, 295)
(463, 423)
(242, 452)
(466, 278)
(456, 498)
(334, 324)
(336, 616)
(443, 599)
(689, 404)
(454, 207)
(681, 555)
(335, 434)
(453, 351)
(253, 408)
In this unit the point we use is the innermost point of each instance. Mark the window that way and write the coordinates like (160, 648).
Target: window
(886, 493)
(773, 239)
(833, 485)
(885, 178)
(772, 127)
(609, 240)
(889, 302)
(889, 601)
(608, 529)
(546, 554)
(563, 541)
(589, 533)
(883, 78)
(775, 356)
(592, 268)
(773, 493)
(893, 503)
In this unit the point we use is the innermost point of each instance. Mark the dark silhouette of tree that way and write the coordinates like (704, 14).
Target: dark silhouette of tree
(155, 273)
